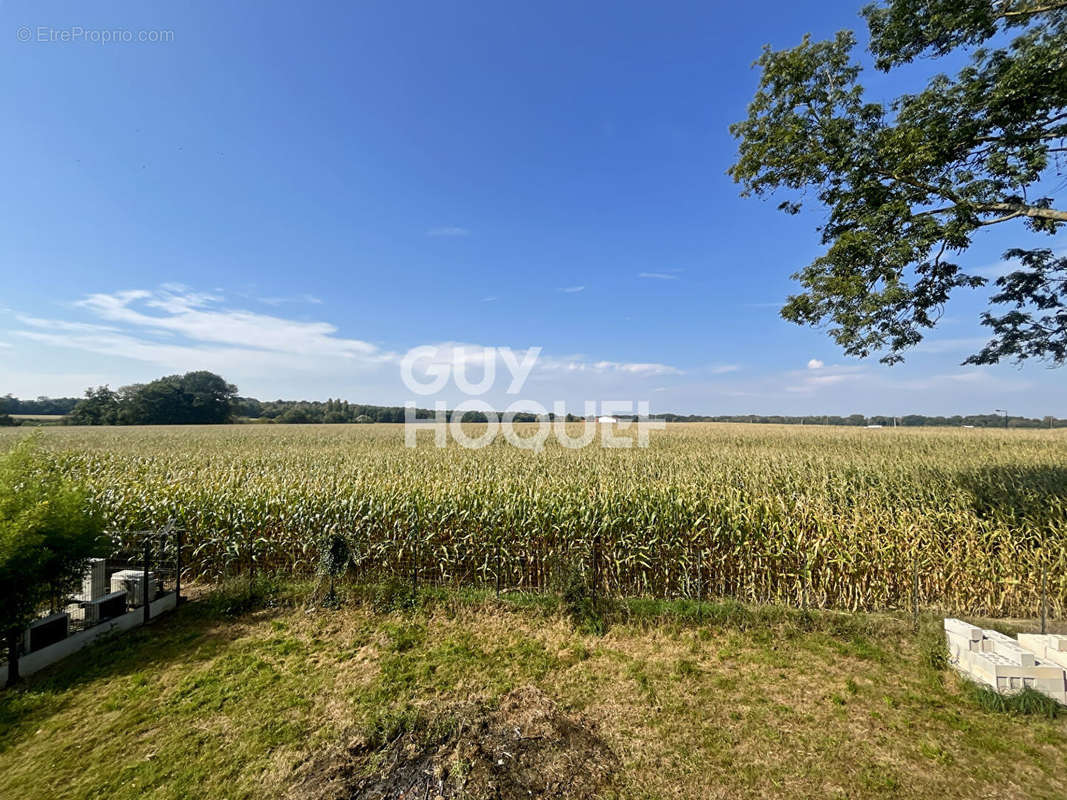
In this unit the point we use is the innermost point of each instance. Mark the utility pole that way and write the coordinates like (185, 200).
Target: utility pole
(1005, 413)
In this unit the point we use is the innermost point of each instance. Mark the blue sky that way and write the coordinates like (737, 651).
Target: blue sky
(294, 196)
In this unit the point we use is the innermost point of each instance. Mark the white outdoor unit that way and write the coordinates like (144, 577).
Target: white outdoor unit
(131, 581)
(93, 587)
(94, 580)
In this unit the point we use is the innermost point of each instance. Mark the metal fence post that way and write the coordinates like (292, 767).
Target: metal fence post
(11, 640)
(178, 536)
(700, 575)
(700, 586)
(145, 591)
(415, 566)
(499, 577)
(594, 571)
(1044, 596)
(915, 592)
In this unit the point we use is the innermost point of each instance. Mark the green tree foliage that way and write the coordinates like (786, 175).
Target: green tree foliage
(331, 411)
(854, 420)
(100, 407)
(195, 398)
(906, 185)
(1035, 325)
(46, 534)
(42, 405)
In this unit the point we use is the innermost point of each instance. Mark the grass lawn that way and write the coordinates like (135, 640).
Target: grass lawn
(227, 698)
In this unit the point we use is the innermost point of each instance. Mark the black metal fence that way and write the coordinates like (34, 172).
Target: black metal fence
(142, 568)
(699, 571)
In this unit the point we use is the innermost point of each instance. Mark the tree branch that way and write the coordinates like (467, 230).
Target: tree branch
(1022, 12)
(1023, 210)
(1011, 209)
(1014, 210)
(1005, 218)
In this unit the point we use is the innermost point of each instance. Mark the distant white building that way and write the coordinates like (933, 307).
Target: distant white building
(606, 420)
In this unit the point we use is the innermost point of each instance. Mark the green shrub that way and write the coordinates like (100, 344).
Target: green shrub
(47, 533)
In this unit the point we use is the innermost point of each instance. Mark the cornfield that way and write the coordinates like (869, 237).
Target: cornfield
(831, 517)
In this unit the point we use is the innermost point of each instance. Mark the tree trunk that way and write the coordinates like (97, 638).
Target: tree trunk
(13, 656)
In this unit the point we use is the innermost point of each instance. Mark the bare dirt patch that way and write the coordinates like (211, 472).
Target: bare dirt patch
(525, 747)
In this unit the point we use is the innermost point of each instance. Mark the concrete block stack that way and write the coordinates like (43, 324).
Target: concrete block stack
(1048, 647)
(1007, 665)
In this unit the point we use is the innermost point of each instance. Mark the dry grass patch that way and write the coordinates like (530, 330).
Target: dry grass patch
(747, 702)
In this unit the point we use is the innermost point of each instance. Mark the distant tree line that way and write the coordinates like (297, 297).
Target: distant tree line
(330, 411)
(334, 411)
(204, 398)
(908, 420)
(10, 404)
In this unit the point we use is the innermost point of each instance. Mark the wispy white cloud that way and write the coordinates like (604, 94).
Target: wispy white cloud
(300, 298)
(1001, 268)
(199, 332)
(171, 356)
(936, 346)
(448, 230)
(977, 378)
(489, 299)
(179, 329)
(861, 378)
(63, 325)
(476, 354)
(817, 375)
(572, 289)
(573, 365)
(659, 276)
(200, 318)
(637, 368)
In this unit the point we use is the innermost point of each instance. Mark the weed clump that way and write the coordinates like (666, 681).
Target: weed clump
(1028, 702)
(588, 609)
(235, 597)
(393, 595)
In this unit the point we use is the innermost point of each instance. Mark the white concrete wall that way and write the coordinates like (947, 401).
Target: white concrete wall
(46, 656)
